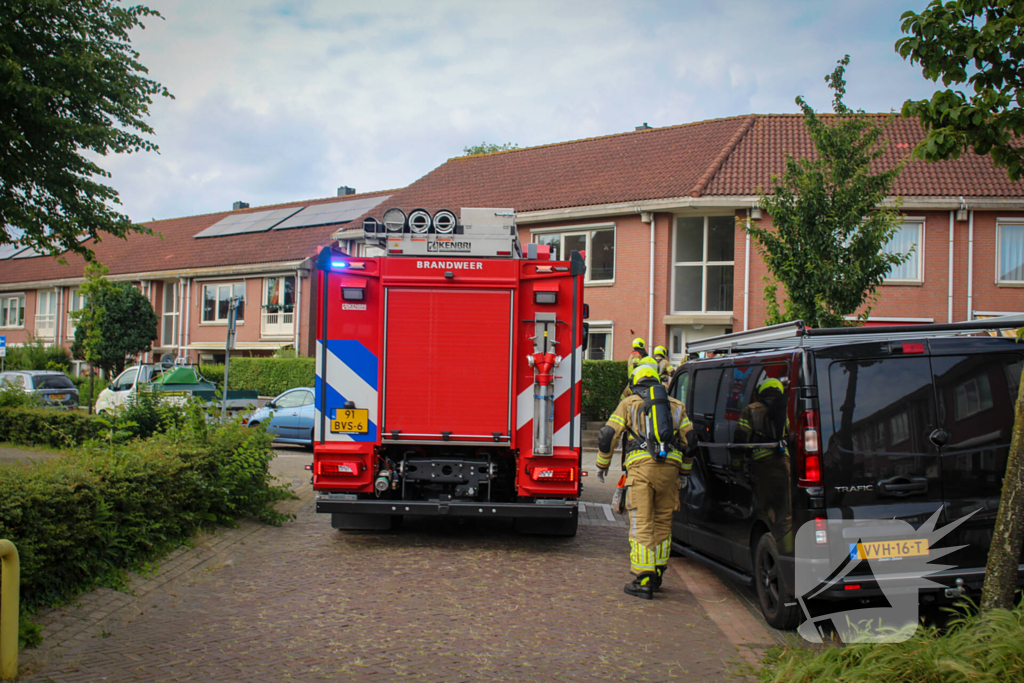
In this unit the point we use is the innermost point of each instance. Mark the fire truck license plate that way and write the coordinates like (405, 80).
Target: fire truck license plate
(351, 421)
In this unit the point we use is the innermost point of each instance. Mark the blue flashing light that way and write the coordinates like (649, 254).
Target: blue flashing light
(339, 264)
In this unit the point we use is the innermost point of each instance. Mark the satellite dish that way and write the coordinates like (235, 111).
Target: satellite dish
(167, 361)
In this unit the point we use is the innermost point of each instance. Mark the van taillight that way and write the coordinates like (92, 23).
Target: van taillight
(808, 450)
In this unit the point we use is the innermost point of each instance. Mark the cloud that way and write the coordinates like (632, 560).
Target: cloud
(287, 100)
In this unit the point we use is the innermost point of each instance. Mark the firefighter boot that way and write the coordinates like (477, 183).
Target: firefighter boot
(642, 586)
(659, 571)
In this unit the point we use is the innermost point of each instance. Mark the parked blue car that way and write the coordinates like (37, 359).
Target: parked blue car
(289, 417)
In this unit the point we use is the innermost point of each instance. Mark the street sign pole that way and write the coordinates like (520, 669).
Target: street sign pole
(229, 346)
(3, 351)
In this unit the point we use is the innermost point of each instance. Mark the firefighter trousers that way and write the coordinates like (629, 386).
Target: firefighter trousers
(652, 497)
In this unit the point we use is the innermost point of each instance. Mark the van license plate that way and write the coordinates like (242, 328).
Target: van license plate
(889, 550)
(351, 421)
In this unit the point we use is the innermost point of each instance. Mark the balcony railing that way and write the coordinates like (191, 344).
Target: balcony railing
(45, 325)
(277, 324)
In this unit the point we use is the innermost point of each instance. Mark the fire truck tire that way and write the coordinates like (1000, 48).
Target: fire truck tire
(548, 527)
(349, 522)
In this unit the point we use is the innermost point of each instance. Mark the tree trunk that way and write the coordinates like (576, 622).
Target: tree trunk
(1004, 553)
(92, 378)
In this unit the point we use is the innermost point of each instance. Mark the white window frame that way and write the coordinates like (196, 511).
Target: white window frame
(1000, 222)
(74, 297)
(46, 322)
(172, 317)
(704, 267)
(4, 299)
(588, 230)
(918, 253)
(602, 327)
(217, 320)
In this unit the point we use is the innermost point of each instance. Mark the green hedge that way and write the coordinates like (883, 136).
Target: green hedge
(215, 372)
(48, 427)
(603, 382)
(85, 518)
(268, 376)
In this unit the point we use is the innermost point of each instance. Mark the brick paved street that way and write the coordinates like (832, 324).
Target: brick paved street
(435, 601)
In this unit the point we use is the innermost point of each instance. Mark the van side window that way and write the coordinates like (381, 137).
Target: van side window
(883, 406)
(733, 395)
(682, 385)
(759, 424)
(702, 414)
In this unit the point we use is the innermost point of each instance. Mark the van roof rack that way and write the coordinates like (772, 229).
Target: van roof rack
(796, 334)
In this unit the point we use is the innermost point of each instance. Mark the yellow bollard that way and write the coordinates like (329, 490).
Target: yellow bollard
(10, 583)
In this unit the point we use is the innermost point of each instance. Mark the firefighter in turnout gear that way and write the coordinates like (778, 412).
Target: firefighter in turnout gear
(659, 444)
(638, 354)
(763, 424)
(647, 362)
(664, 366)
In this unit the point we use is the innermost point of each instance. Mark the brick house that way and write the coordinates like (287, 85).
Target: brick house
(189, 269)
(660, 212)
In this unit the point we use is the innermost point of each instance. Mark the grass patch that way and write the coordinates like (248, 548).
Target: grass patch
(975, 648)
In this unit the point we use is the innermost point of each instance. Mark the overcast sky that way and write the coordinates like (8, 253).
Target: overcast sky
(287, 100)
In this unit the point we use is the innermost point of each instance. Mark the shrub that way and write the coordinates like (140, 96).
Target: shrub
(48, 426)
(98, 385)
(215, 372)
(271, 376)
(37, 356)
(603, 382)
(12, 396)
(973, 647)
(85, 518)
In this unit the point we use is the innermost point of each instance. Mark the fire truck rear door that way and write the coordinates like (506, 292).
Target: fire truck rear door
(447, 365)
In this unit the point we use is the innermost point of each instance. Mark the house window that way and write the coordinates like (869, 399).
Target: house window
(169, 334)
(703, 264)
(598, 246)
(46, 313)
(76, 302)
(278, 306)
(907, 240)
(217, 299)
(12, 311)
(1010, 259)
(599, 341)
(972, 397)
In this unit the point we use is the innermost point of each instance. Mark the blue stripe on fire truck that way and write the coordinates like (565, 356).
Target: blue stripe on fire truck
(351, 376)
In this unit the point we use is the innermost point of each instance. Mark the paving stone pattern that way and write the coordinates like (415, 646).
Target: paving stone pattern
(434, 601)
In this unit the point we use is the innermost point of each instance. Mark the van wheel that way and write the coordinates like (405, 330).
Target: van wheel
(771, 591)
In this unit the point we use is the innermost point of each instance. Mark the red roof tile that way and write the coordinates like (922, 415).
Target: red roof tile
(762, 152)
(175, 248)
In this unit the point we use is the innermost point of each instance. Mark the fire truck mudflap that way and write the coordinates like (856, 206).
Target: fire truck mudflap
(448, 375)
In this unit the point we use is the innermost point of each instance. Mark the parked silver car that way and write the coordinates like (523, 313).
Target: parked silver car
(51, 387)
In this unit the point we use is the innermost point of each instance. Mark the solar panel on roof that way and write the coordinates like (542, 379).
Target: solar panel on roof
(257, 221)
(9, 250)
(331, 212)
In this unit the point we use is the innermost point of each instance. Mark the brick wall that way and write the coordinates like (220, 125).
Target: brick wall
(930, 298)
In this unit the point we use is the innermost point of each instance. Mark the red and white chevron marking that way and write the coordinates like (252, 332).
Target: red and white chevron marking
(524, 405)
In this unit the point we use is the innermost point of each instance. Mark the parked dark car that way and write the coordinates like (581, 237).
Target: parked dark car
(49, 386)
(879, 424)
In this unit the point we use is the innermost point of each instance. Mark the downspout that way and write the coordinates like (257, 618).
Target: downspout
(647, 217)
(58, 331)
(746, 278)
(970, 266)
(188, 316)
(949, 305)
(297, 307)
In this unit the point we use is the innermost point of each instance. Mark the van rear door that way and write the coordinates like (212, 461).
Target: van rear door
(881, 460)
(976, 391)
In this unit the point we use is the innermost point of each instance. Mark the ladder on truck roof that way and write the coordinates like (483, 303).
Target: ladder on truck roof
(797, 335)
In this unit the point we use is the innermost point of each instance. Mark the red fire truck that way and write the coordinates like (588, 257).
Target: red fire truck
(448, 375)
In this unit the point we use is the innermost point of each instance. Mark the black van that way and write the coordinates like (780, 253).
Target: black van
(880, 423)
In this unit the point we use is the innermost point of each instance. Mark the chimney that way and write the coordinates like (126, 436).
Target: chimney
(644, 127)
(239, 205)
(346, 190)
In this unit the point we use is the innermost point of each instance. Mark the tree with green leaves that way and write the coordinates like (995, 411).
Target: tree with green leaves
(71, 87)
(980, 43)
(976, 48)
(116, 323)
(829, 221)
(488, 148)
